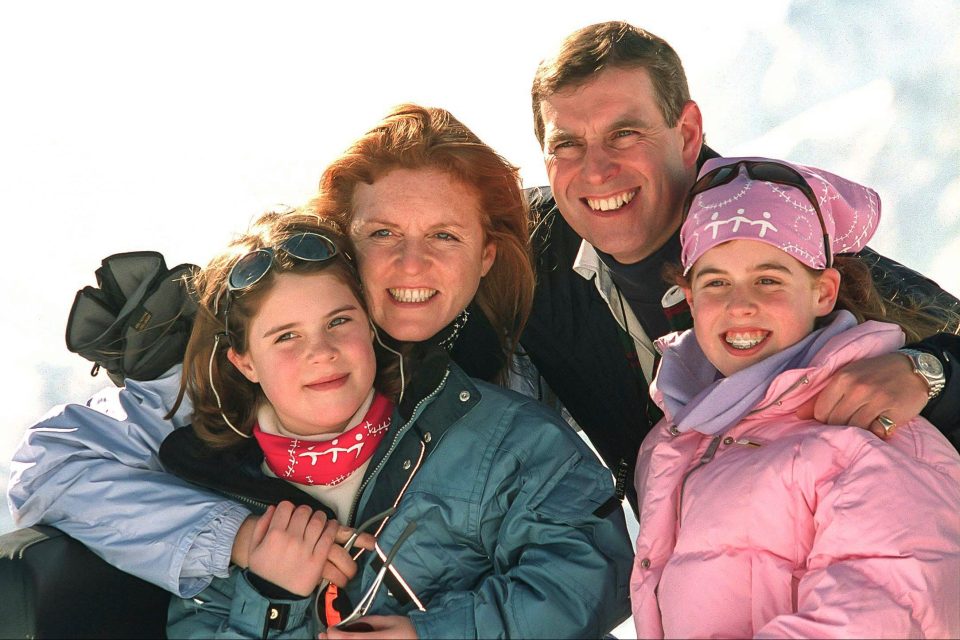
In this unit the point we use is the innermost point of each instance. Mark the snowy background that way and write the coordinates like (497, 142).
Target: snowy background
(168, 126)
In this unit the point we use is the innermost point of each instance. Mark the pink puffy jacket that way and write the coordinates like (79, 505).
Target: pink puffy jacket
(783, 527)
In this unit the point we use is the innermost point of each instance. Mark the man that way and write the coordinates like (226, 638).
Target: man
(623, 142)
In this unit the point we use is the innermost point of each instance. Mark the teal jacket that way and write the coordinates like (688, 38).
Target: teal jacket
(518, 531)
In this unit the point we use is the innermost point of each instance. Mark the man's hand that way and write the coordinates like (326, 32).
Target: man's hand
(385, 627)
(291, 547)
(865, 389)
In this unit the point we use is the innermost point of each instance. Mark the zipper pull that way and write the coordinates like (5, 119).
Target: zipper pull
(711, 450)
(744, 441)
(623, 468)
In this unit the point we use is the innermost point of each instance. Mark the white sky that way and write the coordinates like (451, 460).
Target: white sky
(169, 125)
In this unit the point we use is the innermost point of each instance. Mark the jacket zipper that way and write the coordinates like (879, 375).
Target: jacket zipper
(393, 445)
(251, 501)
(715, 442)
(704, 459)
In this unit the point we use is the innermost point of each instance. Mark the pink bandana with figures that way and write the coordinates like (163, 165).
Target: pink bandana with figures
(779, 214)
(329, 462)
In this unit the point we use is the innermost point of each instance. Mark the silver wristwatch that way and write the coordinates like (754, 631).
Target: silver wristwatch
(929, 368)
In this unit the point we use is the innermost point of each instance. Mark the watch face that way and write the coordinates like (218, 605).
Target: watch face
(929, 365)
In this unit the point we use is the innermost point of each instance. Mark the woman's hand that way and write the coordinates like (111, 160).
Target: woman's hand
(384, 627)
(291, 546)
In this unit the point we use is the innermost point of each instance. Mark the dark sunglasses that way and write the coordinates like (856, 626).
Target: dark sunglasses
(252, 267)
(763, 171)
(326, 609)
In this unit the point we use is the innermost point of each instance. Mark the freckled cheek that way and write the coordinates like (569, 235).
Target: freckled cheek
(277, 376)
(370, 263)
(288, 364)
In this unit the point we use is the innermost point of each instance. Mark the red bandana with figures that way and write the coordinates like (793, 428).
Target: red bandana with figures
(330, 462)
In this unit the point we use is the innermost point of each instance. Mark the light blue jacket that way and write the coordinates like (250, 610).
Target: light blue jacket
(515, 537)
(82, 466)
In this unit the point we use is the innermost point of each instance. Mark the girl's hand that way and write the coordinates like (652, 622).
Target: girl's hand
(241, 544)
(382, 627)
(340, 567)
(290, 547)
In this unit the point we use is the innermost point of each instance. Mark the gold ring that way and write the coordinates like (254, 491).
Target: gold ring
(887, 424)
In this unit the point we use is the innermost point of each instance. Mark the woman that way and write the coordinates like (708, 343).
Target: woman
(438, 221)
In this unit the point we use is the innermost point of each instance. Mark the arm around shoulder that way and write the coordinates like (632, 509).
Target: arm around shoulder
(82, 465)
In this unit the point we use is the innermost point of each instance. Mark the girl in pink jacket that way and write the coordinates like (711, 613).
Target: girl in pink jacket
(755, 522)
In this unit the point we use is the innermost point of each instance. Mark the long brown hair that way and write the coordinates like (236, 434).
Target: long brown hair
(860, 296)
(415, 137)
(207, 373)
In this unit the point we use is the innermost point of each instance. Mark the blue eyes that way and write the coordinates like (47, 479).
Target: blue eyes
(287, 336)
(386, 233)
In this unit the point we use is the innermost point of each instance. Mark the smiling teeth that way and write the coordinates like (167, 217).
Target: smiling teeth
(412, 295)
(608, 204)
(745, 340)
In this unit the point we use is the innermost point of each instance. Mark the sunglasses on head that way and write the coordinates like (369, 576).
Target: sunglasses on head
(252, 267)
(764, 171)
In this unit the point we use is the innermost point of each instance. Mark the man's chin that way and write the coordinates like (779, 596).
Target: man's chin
(622, 252)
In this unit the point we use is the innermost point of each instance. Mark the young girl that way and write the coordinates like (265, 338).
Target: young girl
(755, 522)
(477, 533)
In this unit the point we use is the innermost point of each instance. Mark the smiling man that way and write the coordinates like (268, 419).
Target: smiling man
(623, 142)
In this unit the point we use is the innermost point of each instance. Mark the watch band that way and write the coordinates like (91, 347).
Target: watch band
(928, 367)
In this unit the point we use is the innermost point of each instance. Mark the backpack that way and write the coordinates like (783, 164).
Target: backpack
(136, 322)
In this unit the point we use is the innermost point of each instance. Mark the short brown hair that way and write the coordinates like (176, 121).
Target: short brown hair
(607, 45)
(415, 137)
